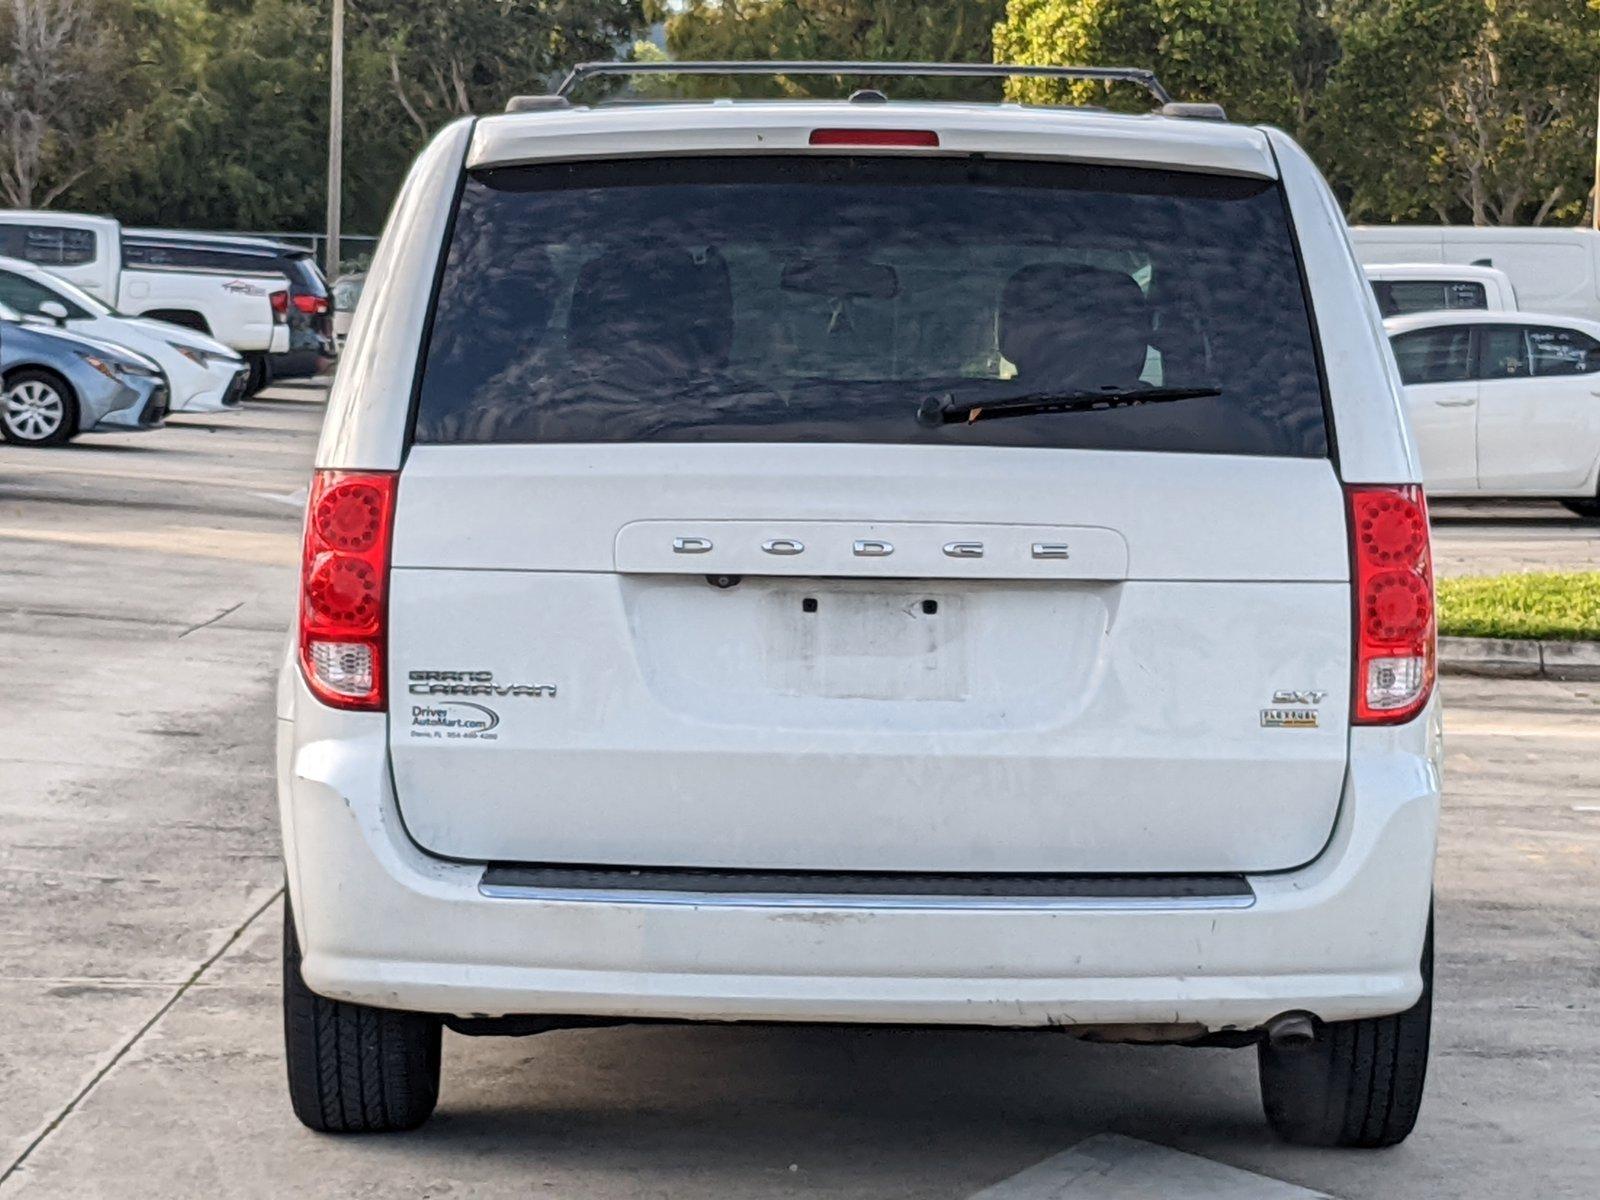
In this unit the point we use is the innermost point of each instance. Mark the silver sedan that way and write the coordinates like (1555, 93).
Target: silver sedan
(55, 385)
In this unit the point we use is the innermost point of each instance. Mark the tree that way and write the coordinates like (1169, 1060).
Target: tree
(1464, 110)
(67, 88)
(448, 60)
(1240, 53)
(904, 30)
(237, 138)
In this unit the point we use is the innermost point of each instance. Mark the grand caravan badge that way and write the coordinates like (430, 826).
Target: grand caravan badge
(470, 683)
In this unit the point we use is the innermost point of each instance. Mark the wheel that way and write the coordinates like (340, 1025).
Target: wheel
(355, 1069)
(258, 376)
(1359, 1083)
(39, 409)
(1584, 508)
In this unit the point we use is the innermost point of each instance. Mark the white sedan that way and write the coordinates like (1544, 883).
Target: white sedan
(1504, 403)
(203, 374)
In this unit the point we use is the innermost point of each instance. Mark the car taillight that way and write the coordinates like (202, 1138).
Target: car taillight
(874, 137)
(312, 305)
(1395, 623)
(280, 307)
(344, 585)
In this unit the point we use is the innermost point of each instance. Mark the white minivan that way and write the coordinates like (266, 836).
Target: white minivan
(880, 562)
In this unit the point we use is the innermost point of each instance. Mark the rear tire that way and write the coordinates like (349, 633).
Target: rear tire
(352, 1068)
(1359, 1084)
(37, 408)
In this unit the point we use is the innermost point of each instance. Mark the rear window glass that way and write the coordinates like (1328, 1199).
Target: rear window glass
(304, 274)
(206, 258)
(826, 299)
(48, 245)
(1403, 296)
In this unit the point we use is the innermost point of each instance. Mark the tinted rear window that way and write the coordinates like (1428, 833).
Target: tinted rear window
(304, 274)
(823, 299)
(198, 255)
(1400, 297)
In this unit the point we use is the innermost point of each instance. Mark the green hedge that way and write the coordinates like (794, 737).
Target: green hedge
(1552, 605)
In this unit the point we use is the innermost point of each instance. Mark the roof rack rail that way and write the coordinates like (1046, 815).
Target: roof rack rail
(1137, 76)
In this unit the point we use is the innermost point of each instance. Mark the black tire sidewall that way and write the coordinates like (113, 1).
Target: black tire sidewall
(1314, 1095)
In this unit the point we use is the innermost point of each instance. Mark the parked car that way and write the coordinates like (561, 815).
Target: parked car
(1504, 404)
(247, 311)
(55, 385)
(310, 313)
(346, 295)
(203, 374)
(1402, 288)
(882, 563)
(1554, 269)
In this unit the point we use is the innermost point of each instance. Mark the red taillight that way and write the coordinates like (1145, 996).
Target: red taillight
(280, 306)
(1394, 619)
(874, 137)
(312, 305)
(344, 585)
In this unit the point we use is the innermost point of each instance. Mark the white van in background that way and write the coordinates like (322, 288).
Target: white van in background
(1405, 288)
(247, 311)
(1554, 269)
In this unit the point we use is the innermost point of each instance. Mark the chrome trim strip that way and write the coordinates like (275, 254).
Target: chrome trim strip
(500, 891)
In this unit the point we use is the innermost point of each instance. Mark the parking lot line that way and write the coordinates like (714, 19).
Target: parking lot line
(237, 545)
(1482, 725)
(1111, 1167)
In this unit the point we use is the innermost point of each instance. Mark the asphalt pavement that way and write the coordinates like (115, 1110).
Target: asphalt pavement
(146, 581)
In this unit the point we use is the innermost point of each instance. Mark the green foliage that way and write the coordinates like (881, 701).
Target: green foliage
(1240, 53)
(898, 30)
(1471, 111)
(445, 60)
(1551, 605)
(212, 113)
(70, 93)
(230, 129)
(1478, 111)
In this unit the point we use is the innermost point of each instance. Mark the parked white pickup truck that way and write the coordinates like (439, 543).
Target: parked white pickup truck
(247, 311)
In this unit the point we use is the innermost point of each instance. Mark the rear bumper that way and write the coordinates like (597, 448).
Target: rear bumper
(382, 923)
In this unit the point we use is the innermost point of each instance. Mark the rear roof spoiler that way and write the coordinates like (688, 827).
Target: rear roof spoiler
(1138, 76)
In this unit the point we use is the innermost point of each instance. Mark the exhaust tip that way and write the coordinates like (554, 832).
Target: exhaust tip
(1289, 1031)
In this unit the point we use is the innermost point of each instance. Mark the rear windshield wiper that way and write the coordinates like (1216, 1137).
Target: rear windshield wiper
(937, 410)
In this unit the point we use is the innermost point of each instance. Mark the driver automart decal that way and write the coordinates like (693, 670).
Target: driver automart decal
(452, 720)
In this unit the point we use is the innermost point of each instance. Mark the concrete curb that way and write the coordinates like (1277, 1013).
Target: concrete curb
(1504, 658)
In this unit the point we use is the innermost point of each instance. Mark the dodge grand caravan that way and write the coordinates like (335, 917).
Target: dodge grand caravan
(877, 562)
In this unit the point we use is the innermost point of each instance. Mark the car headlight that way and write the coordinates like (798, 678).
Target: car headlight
(206, 358)
(119, 369)
(109, 370)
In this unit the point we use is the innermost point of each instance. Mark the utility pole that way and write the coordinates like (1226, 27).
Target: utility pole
(1595, 198)
(335, 137)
